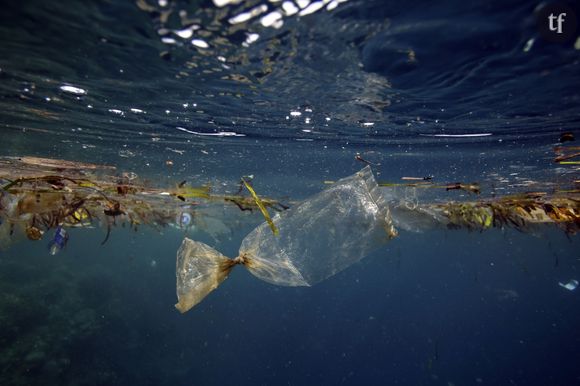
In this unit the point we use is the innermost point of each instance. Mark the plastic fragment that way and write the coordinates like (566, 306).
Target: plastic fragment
(59, 241)
(194, 192)
(570, 286)
(184, 220)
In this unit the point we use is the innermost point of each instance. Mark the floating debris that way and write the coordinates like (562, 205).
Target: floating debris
(261, 206)
(524, 213)
(565, 153)
(567, 137)
(427, 178)
(472, 188)
(33, 233)
(50, 163)
(318, 238)
(570, 286)
(59, 241)
(184, 220)
(359, 158)
(39, 194)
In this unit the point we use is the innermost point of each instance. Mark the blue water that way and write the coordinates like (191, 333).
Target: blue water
(380, 79)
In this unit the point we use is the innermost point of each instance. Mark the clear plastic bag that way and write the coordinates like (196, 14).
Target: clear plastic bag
(317, 238)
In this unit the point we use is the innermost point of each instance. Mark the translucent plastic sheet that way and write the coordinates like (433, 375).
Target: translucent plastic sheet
(9, 207)
(408, 211)
(317, 238)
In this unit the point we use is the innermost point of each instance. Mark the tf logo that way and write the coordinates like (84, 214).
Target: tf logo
(556, 22)
(560, 20)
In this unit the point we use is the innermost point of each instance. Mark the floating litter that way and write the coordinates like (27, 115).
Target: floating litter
(61, 238)
(570, 286)
(184, 220)
(314, 240)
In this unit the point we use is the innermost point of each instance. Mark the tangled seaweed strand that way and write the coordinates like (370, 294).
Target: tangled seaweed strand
(36, 199)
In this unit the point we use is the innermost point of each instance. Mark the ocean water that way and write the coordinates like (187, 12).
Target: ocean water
(293, 93)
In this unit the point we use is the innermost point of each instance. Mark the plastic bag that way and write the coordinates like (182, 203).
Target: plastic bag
(317, 238)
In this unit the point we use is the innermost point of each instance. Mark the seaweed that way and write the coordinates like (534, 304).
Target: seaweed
(41, 194)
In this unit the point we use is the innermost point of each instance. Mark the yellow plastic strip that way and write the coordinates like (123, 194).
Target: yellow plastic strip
(202, 192)
(569, 162)
(262, 207)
